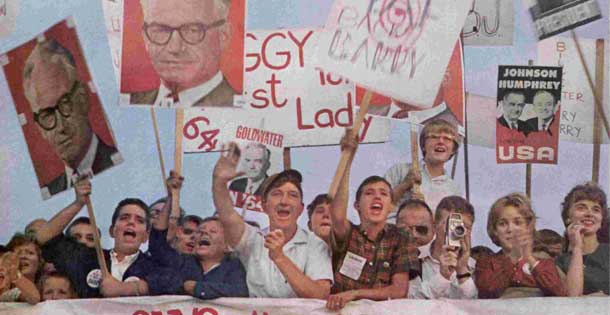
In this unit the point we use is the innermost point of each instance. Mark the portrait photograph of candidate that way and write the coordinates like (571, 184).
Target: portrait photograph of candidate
(184, 51)
(51, 88)
(255, 162)
(545, 105)
(512, 104)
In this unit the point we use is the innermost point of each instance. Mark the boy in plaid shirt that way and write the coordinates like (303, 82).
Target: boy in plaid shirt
(370, 260)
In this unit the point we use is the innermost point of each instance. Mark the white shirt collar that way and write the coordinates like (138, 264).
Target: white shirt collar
(188, 97)
(86, 164)
(440, 178)
(544, 123)
(254, 184)
(118, 268)
(425, 250)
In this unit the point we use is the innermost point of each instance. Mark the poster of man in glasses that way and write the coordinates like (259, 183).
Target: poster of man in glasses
(61, 115)
(182, 53)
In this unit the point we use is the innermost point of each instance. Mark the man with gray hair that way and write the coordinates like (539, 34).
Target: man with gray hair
(184, 40)
(255, 163)
(60, 106)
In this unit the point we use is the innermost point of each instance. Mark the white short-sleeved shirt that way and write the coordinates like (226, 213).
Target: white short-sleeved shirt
(432, 285)
(307, 251)
(434, 189)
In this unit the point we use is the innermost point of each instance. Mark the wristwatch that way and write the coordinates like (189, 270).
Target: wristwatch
(464, 275)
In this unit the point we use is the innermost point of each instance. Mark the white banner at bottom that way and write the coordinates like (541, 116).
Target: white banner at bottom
(182, 305)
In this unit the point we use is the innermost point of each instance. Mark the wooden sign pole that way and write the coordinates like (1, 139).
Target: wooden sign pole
(414, 156)
(528, 166)
(96, 239)
(345, 156)
(598, 103)
(599, 86)
(177, 158)
(159, 152)
(287, 158)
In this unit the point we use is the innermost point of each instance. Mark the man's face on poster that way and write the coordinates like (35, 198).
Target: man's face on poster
(256, 162)
(60, 107)
(512, 105)
(183, 40)
(544, 105)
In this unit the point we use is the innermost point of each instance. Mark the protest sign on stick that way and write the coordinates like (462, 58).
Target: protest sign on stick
(552, 17)
(345, 156)
(59, 109)
(599, 86)
(528, 109)
(577, 98)
(396, 48)
(182, 53)
(306, 104)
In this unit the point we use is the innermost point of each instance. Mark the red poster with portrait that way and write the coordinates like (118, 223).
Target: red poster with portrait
(527, 114)
(180, 53)
(64, 124)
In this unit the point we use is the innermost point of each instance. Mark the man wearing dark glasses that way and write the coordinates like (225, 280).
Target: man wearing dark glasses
(446, 270)
(184, 40)
(60, 106)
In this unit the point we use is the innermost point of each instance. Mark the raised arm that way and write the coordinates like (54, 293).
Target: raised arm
(224, 171)
(168, 220)
(59, 222)
(338, 207)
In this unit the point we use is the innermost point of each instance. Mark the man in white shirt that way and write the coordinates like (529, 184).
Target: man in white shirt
(283, 261)
(446, 271)
(184, 40)
(438, 142)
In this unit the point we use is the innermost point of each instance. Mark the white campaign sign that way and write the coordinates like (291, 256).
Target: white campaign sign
(577, 100)
(307, 105)
(113, 18)
(183, 305)
(489, 23)
(398, 48)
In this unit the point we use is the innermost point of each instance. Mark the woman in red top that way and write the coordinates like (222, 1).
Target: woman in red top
(511, 224)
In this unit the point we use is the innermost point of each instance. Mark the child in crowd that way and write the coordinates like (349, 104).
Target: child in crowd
(56, 286)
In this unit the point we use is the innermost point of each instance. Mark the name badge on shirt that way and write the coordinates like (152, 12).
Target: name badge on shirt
(352, 266)
(94, 278)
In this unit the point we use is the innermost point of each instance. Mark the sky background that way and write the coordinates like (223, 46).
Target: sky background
(139, 175)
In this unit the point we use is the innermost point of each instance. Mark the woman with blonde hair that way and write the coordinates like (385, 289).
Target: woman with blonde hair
(515, 270)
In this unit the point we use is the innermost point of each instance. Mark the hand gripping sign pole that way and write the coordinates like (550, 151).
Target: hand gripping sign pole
(175, 210)
(528, 166)
(414, 156)
(345, 156)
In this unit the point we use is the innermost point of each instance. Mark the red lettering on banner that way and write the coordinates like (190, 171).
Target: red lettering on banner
(140, 312)
(191, 132)
(261, 95)
(257, 57)
(205, 310)
(281, 53)
(300, 44)
(174, 312)
(324, 118)
(263, 313)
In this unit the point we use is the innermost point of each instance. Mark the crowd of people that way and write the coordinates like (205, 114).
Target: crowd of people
(413, 241)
